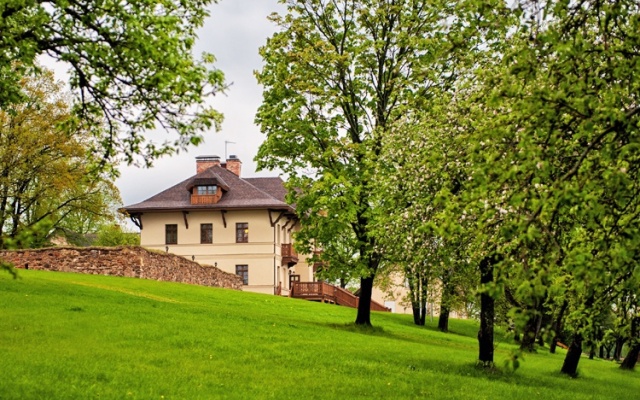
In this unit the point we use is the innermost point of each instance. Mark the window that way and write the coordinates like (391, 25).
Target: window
(242, 232)
(243, 271)
(209, 189)
(171, 234)
(206, 233)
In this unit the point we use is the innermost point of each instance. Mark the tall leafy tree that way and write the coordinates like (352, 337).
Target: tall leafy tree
(432, 177)
(131, 67)
(556, 160)
(338, 76)
(48, 178)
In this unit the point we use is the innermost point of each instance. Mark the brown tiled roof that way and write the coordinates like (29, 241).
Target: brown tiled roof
(249, 193)
(272, 186)
(197, 181)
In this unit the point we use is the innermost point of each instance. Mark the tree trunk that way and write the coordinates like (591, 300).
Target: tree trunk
(443, 320)
(417, 292)
(543, 321)
(557, 327)
(553, 345)
(609, 348)
(570, 365)
(448, 291)
(487, 314)
(632, 357)
(529, 335)
(592, 352)
(417, 295)
(617, 353)
(423, 297)
(413, 293)
(364, 305)
(416, 314)
(601, 353)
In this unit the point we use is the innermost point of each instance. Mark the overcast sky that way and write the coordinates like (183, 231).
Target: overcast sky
(233, 33)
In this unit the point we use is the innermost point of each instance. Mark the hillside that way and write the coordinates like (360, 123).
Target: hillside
(66, 335)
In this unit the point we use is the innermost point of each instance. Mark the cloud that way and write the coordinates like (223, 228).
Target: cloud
(233, 33)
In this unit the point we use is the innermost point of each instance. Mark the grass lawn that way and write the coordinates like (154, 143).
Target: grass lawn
(72, 336)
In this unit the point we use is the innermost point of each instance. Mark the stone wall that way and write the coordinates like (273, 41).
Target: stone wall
(134, 262)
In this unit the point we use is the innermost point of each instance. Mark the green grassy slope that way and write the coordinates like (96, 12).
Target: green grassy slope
(69, 336)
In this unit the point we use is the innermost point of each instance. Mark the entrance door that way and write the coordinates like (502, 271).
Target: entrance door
(293, 278)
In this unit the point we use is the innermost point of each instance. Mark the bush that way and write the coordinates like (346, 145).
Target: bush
(113, 235)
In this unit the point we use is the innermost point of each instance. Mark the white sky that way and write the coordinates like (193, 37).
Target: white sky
(233, 33)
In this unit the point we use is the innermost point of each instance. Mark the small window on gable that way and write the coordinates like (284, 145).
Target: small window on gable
(208, 189)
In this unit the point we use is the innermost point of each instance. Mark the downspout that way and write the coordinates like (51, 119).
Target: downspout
(274, 259)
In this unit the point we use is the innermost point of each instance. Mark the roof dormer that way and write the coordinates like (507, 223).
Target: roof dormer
(206, 190)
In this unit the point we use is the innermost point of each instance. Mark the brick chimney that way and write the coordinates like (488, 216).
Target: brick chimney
(234, 164)
(205, 162)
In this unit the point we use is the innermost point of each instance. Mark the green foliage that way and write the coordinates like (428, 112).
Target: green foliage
(510, 131)
(570, 136)
(338, 76)
(114, 235)
(553, 125)
(513, 361)
(422, 174)
(131, 68)
(77, 336)
(531, 153)
(50, 182)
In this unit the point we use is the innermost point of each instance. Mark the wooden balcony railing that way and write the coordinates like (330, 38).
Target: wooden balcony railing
(326, 293)
(289, 255)
(345, 297)
(204, 198)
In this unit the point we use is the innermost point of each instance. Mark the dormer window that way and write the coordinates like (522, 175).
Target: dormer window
(207, 190)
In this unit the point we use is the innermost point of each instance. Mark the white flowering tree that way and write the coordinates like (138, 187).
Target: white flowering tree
(547, 151)
(555, 159)
(337, 76)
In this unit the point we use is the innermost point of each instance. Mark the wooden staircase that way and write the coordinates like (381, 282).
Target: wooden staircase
(327, 293)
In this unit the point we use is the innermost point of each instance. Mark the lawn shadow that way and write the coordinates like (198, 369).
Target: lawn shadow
(367, 330)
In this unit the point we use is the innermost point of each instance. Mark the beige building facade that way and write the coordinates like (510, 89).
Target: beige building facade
(395, 295)
(217, 218)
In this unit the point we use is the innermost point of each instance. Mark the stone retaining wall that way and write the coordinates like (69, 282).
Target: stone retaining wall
(135, 262)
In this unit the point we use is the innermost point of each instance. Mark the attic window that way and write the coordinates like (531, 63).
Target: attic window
(205, 190)
(205, 194)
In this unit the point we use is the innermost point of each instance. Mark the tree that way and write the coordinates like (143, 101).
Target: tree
(338, 77)
(547, 147)
(335, 77)
(48, 179)
(80, 224)
(131, 68)
(114, 235)
(435, 163)
(558, 155)
(631, 359)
